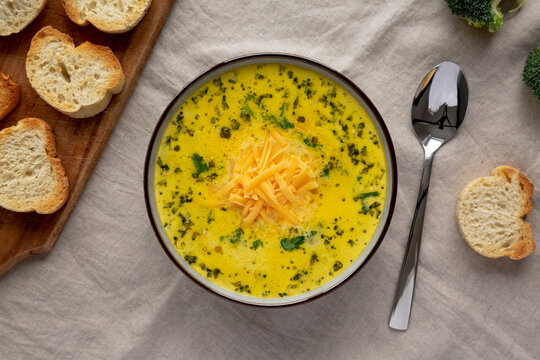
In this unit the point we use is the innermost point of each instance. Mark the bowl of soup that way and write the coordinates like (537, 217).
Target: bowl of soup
(270, 179)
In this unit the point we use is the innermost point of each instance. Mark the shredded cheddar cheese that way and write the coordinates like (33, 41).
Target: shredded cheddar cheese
(269, 181)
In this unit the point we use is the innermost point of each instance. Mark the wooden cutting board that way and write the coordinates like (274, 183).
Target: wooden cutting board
(79, 141)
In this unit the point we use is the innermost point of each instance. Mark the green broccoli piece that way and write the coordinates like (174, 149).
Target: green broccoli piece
(479, 13)
(531, 72)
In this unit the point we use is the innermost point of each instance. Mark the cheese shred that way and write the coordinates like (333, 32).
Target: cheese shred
(268, 181)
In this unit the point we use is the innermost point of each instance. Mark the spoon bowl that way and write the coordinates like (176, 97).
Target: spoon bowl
(440, 104)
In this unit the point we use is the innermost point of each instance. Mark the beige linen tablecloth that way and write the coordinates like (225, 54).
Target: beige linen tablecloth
(108, 291)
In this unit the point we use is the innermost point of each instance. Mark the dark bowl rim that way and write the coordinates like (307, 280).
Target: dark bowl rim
(300, 59)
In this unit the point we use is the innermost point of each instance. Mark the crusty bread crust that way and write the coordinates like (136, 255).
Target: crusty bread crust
(10, 94)
(38, 54)
(18, 22)
(525, 246)
(77, 14)
(522, 243)
(527, 187)
(58, 197)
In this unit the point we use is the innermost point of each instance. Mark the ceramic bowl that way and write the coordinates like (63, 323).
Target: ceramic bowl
(186, 92)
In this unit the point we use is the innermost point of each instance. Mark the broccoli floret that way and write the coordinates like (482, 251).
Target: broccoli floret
(480, 13)
(531, 72)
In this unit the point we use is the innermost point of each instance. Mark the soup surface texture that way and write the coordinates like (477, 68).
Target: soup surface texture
(270, 180)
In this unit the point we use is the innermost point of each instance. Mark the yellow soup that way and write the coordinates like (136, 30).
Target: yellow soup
(270, 180)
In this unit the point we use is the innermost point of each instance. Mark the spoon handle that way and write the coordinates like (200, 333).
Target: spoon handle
(401, 310)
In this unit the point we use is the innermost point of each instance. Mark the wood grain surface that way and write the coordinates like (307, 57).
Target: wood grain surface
(79, 141)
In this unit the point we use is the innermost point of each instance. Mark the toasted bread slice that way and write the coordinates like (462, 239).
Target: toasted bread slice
(114, 16)
(10, 94)
(31, 176)
(490, 214)
(15, 15)
(77, 81)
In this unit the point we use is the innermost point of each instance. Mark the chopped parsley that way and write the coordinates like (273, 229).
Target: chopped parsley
(200, 165)
(217, 82)
(365, 208)
(239, 287)
(197, 97)
(366, 195)
(282, 123)
(337, 265)
(235, 125)
(262, 97)
(312, 142)
(234, 238)
(163, 166)
(246, 113)
(225, 132)
(212, 273)
(224, 102)
(256, 244)
(290, 244)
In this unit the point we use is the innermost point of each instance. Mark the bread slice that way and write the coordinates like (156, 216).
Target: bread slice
(77, 81)
(15, 15)
(490, 214)
(31, 177)
(10, 94)
(111, 16)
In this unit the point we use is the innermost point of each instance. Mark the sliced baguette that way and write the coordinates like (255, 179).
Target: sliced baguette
(111, 16)
(77, 81)
(10, 94)
(31, 176)
(15, 15)
(490, 214)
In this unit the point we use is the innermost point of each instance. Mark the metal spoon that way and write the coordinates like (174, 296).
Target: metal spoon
(438, 109)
